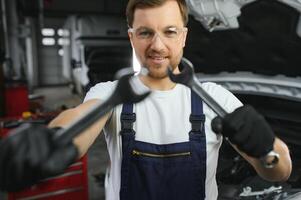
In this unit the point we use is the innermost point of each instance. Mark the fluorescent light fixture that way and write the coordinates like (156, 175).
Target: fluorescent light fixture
(63, 32)
(63, 41)
(48, 32)
(48, 41)
(61, 52)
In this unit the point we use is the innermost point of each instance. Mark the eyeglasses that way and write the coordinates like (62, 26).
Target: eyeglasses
(169, 34)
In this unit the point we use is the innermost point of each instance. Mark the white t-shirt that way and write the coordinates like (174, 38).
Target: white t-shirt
(163, 118)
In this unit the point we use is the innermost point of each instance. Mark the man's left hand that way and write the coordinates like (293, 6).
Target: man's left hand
(249, 131)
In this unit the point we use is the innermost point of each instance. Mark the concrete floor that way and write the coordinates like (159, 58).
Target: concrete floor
(98, 160)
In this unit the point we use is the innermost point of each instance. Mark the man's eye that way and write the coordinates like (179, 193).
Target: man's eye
(170, 33)
(145, 34)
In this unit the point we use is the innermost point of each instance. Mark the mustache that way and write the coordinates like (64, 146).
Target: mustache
(157, 53)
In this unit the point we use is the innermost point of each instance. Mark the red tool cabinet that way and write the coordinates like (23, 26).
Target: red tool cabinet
(16, 100)
(71, 185)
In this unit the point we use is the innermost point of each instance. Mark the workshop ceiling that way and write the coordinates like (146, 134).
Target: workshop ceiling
(68, 7)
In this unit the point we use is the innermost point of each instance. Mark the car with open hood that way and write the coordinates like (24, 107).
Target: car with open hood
(252, 48)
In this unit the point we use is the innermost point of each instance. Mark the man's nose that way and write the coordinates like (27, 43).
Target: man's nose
(157, 43)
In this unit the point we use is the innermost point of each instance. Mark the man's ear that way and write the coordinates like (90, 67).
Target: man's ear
(130, 34)
(184, 38)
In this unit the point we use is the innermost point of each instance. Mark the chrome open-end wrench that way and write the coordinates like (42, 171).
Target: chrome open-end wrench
(126, 91)
(34, 152)
(188, 78)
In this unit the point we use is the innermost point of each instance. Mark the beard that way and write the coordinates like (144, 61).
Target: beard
(159, 71)
(157, 74)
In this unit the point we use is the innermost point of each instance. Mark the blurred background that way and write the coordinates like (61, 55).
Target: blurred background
(53, 51)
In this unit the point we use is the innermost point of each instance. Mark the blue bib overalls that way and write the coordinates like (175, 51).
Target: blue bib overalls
(164, 172)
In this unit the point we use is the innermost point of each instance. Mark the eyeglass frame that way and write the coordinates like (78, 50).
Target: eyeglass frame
(150, 38)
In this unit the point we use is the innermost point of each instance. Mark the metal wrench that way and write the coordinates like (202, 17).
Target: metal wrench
(126, 91)
(188, 78)
(42, 157)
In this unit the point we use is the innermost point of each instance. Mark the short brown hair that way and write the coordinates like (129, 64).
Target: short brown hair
(133, 4)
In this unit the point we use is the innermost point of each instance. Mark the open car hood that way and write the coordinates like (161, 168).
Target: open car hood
(265, 42)
(262, 55)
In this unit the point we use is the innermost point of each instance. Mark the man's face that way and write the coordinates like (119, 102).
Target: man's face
(158, 38)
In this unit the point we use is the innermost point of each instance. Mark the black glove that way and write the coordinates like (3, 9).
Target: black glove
(248, 130)
(29, 155)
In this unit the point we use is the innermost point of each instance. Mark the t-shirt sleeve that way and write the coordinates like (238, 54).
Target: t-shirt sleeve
(101, 91)
(223, 96)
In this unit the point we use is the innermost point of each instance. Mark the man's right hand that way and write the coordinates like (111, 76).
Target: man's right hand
(30, 154)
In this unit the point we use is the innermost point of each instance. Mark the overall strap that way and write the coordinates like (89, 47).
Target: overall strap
(127, 118)
(197, 138)
(197, 117)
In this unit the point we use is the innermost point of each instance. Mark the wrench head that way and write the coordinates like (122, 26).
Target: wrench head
(185, 76)
(128, 89)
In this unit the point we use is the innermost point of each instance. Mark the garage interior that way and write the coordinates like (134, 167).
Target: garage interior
(54, 51)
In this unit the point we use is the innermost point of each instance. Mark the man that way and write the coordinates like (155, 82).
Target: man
(163, 147)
